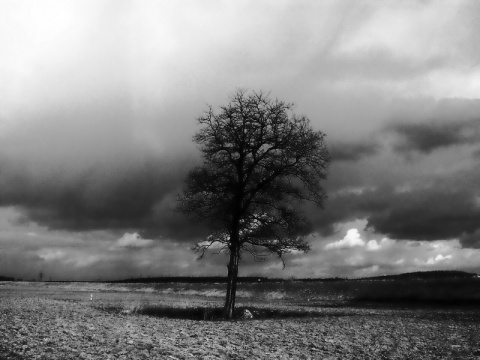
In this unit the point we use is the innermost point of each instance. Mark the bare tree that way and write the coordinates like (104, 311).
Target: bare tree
(260, 162)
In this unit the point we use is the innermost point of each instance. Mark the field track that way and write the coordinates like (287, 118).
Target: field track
(59, 322)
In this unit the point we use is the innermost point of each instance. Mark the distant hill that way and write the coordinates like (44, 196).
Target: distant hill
(426, 275)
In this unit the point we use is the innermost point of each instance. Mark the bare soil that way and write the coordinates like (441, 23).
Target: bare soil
(59, 321)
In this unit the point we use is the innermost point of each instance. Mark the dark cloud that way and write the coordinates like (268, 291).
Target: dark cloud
(98, 165)
(445, 124)
(131, 194)
(436, 212)
(426, 138)
(344, 151)
(471, 240)
(345, 206)
(427, 214)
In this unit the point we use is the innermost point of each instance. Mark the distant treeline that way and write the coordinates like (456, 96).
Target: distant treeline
(6, 278)
(193, 279)
(419, 275)
(216, 279)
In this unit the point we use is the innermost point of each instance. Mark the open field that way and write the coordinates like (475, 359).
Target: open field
(293, 320)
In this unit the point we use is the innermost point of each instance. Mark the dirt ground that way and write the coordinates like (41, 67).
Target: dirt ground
(61, 322)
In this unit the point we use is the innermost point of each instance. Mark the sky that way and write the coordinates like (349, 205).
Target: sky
(99, 101)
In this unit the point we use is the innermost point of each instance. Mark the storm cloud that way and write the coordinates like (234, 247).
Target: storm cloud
(428, 137)
(424, 126)
(94, 166)
(440, 210)
(426, 214)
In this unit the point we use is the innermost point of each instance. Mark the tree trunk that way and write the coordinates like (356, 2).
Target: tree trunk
(231, 282)
(234, 257)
